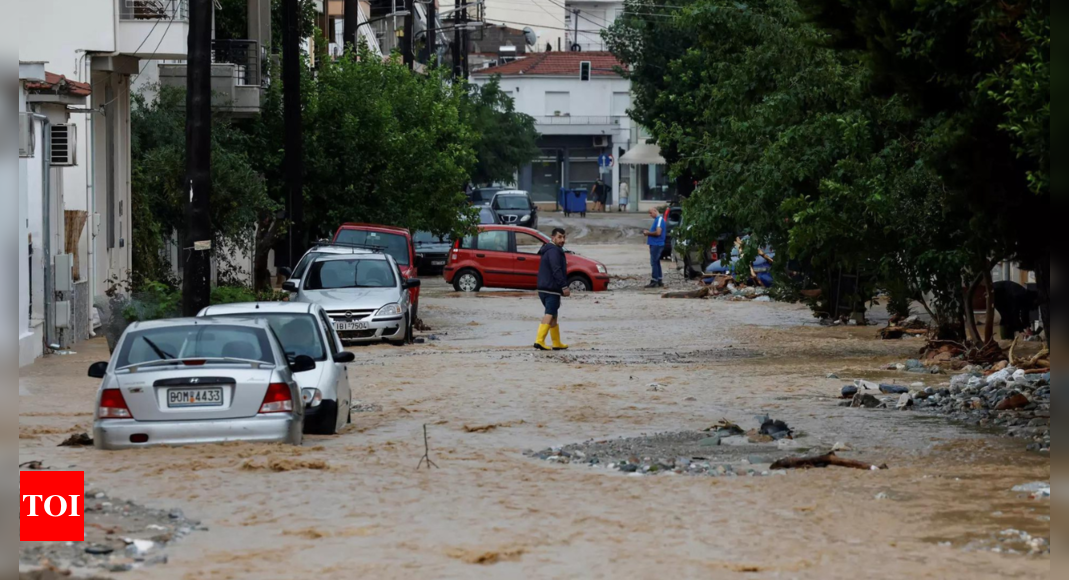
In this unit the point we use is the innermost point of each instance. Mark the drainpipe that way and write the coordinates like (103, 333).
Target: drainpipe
(46, 227)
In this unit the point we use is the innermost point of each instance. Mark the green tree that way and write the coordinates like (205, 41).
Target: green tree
(506, 139)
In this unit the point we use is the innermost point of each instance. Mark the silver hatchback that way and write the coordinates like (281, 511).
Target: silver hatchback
(366, 296)
(195, 381)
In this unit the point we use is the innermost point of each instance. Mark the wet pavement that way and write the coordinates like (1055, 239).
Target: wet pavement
(354, 504)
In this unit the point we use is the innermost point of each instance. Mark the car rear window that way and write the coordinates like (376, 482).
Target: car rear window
(195, 342)
(298, 333)
(396, 245)
(345, 274)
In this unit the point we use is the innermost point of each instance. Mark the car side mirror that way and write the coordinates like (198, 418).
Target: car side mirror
(412, 283)
(344, 357)
(303, 363)
(290, 286)
(287, 272)
(98, 370)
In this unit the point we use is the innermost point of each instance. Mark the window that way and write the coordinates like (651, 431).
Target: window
(298, 333)
(306, 261)
(621, 102)
(558, 104)
(584, 71)
(344, 274)
(528, 244)
(332, 337)
(395, 245)
(468, 243)
(195, 342)
(496, 241)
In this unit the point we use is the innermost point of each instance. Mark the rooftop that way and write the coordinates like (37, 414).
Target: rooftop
(603, 64)
(59, 84)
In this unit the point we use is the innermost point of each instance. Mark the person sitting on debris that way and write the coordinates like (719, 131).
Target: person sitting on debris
(552, 286)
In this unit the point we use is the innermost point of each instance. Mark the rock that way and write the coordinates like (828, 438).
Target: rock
(176, 515)
(901, 367)
(1038, 489)
(935, 370)
(849, 391)
(882, 496)
(865, 401)
(839, 447)
(119, 567)
(1001, 377)
(918, 386)
(1020, 374)
(893, 390)
(929, 391)
(833, 376)
(866, 385)
(629, 468)
(905, 402)
(1000, 365)
(776, 429)
(921, 395)
(713, 441)
(1012, 402)
(914, 364)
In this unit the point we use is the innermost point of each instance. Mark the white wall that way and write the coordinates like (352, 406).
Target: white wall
(112, 261)
(592, 98)
(24, 254)
(545, 17)
(594, 16)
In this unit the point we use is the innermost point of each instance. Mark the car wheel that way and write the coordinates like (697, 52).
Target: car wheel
(327, 423)
(408, 331)
(468, 281)
(579, 283)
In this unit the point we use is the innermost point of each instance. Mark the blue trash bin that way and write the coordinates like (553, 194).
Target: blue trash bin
(579, 201)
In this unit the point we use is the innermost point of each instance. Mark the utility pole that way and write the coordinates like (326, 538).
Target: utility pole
(291, 102)
(196, 247)
(432, 33)
(575, 41)
(408, 45)
(352, 23)
(456, 41)
(465, 41)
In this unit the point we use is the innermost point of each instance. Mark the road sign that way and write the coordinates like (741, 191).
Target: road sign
(606, 161)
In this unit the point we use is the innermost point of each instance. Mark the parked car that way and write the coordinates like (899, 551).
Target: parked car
(487, 216)
(306, 329)
(321, 249)
(484, 195)
(432, 251)
(366, 296)
(507, 257)
(397, 242)
(196, 380)
(515, 208)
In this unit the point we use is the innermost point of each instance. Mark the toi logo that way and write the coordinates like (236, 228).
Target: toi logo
(52, 506)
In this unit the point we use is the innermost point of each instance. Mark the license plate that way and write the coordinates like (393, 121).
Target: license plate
(177, 398)
(438, 263)
(348, 326)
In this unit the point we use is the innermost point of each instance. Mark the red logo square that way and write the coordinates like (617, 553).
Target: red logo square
(52, 506)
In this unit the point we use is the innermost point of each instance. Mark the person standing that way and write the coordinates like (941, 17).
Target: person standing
(625, 193)
(597, 192)
(656, 238)
(552, 286)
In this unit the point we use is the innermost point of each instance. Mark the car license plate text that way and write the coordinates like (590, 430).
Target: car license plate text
(348, 326)
(195, 398)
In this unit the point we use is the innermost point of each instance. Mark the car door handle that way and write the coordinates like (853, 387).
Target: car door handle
(480, 255)
(521, 259)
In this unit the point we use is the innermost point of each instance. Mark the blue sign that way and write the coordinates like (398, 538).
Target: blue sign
(606, 161)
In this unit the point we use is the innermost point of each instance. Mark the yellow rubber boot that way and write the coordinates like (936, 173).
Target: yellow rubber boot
(557, 344)
(543, 333)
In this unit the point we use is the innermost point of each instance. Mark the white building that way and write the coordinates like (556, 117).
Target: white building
(101, 43)
(548, 18)
(590, 18)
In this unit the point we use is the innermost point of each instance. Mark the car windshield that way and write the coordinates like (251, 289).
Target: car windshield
(425, 238)
(396, 245)
(298, 333)
(195, 342)
(512, 202)
(306, 261)
(342, 274)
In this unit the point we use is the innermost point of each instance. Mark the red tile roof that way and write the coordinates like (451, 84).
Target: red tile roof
(557, 64)
(60, 84)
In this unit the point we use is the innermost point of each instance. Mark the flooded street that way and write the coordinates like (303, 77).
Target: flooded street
(353, 505)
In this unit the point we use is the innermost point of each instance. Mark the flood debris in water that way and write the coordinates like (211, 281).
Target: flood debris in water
(823, 461)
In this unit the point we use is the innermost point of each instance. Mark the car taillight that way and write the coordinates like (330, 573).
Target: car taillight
(278, 399)
(113, 405)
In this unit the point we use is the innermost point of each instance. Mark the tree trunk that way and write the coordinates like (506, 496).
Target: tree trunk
(989, 322)
(266, 236)
(970, 314)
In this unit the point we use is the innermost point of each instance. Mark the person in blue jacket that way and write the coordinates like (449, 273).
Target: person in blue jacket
(656, 238)
(552, 286)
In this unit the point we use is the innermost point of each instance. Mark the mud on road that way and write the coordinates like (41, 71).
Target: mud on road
(354, 505)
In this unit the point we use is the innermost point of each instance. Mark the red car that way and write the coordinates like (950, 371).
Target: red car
(397, 242)
(507, 257)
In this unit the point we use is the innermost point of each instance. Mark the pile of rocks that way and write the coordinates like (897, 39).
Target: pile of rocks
(120, 537)
(1010, 399)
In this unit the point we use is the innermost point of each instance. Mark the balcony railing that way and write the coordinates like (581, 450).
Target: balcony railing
(569, 120)
(153, 9)
(246, 55)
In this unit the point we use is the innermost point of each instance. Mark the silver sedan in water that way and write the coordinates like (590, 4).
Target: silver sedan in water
(198, 380)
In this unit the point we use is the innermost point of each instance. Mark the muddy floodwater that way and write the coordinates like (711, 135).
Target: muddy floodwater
(355, 506)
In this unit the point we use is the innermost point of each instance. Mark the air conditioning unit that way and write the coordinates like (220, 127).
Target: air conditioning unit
(601, 142)
(26, 135)
(64, 145)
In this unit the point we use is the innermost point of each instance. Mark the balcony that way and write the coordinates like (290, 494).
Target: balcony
(154, 29)
(238, 76)
(569, 125)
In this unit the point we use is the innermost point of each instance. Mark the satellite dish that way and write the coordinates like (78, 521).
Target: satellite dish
(530, 36)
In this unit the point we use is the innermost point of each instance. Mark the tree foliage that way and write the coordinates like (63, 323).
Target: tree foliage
(505, 139)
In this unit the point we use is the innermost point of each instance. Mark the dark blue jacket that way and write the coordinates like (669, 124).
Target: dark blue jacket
(553, 273)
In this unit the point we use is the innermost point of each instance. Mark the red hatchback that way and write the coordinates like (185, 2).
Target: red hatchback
(397, 242)
(507, 257)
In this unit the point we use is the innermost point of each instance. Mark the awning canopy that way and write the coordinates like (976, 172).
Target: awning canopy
(644, 154)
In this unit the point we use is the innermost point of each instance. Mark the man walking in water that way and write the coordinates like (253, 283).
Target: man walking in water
(552, 286)
(656, 238)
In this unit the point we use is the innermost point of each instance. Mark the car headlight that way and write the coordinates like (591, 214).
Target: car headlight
(389, 310)
(311, 397)
(602, 269)
(525, 219)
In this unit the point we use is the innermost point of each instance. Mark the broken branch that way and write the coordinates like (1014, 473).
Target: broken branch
(823, 461)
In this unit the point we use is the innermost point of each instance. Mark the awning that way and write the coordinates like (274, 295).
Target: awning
(644, 154)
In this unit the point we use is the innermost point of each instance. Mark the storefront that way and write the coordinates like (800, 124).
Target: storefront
(648, 177)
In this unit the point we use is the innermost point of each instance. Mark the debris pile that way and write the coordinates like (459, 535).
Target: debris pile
(1012, 399)
(912, 327)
